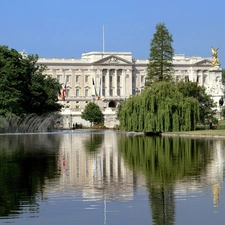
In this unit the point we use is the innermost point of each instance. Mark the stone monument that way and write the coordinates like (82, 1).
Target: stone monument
(216, 88)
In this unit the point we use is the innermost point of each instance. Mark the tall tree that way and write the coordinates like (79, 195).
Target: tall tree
(24, 88)
(160, 66)
(92, 113)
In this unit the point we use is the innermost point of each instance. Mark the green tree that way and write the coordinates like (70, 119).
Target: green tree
(159, 108)
(44, 91)
(160, 66)
(24, 89)
(92, 113)
(206, 103)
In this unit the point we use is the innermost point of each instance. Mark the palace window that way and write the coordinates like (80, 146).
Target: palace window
(118, 92)
(59, 78)
(77, 78)
(67, 78)
(111, 92)
(186, 78)
(103, 92)
(86, 92)
(86, 78)
(77, 92)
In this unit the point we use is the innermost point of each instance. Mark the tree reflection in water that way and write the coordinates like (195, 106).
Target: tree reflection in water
(93, 142)
(164, 161)
(26, 163)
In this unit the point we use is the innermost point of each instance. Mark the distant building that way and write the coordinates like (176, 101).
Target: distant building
(107, 78)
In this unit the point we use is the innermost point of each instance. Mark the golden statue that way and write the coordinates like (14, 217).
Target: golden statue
(216, 61)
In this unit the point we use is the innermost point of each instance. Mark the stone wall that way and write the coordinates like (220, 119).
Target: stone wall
(71, 118)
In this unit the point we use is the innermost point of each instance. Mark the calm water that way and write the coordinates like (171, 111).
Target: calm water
(109, 178)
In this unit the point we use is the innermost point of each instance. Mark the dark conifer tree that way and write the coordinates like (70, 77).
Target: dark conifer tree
(160, 67)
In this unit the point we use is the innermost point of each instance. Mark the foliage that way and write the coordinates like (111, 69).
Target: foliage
(92, 113)
(160, 108)
(223, 112)
(23, 88)
(160, 67)
(206, 103)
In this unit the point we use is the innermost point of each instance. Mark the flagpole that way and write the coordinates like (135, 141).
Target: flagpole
(103, 39)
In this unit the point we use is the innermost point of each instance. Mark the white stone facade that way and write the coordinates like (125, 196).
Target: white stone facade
(116, 76)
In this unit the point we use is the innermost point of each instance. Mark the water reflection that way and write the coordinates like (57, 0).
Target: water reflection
(90, 170)
(27, 162)
(172, 166)
(92, 163)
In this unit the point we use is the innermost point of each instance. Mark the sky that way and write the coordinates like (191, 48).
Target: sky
(68, 28)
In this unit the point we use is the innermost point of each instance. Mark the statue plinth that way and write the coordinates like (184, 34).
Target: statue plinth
(216, 88)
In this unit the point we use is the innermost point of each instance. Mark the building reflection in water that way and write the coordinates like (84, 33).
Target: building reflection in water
(211, 176)
(94, 165)
(91, 163)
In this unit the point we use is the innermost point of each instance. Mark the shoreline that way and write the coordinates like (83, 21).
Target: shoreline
(197, 134)
(191, 134)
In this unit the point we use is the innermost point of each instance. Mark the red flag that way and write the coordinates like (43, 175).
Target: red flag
(63, 93)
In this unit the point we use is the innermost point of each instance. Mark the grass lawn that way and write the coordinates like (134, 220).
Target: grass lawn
(197, 133)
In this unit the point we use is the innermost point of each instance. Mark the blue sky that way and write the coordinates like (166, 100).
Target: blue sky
(68, 28)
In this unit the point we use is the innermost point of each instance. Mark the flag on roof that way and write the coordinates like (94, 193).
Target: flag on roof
(99, 90)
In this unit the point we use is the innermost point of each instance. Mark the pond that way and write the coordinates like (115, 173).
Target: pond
(90, 177)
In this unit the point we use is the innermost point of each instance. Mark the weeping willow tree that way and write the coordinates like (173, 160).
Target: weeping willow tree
(161, 108)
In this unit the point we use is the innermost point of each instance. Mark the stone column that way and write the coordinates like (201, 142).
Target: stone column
(107, 78)
(202, 78)
(195, 73)
(100, 82)
(115, 83)
(73, 82)
(123, 83)
(128, 82)
(82, 82)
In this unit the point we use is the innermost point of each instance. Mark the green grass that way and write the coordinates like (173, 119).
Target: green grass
(199, 133)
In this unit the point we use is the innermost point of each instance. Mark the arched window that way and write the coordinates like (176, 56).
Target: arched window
(112, 104)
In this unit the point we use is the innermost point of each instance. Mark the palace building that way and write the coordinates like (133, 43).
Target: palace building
(108, 78)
